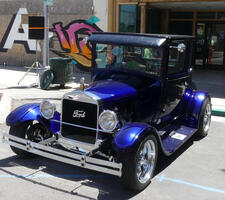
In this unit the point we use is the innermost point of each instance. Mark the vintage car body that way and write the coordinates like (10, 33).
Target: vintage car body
(141, 101)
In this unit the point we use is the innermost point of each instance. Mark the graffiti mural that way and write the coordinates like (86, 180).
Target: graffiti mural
(72, 40)
(18, 33)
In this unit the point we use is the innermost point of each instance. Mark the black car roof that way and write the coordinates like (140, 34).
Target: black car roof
(135, 39)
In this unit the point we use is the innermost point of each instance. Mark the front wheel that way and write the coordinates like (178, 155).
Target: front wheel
(139, 166)
(33, 132)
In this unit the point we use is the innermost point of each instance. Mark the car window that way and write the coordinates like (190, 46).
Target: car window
(139, 59)
(176, 62)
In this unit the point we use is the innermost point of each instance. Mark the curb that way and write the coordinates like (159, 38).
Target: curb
(218, 112)
(5, 107)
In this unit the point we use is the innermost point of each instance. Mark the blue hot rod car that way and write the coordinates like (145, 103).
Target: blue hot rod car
(141, 101)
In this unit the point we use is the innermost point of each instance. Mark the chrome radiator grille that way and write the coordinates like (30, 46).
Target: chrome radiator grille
(81, 114)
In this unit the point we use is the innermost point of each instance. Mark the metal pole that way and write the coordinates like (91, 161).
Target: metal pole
(46, 40)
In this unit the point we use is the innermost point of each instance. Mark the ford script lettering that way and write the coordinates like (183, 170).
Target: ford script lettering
(78, 114)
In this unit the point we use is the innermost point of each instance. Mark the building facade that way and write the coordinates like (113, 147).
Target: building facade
(203, 19)
(69, 21)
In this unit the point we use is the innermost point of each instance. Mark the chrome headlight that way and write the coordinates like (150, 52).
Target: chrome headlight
(108, 120)
(47, 109)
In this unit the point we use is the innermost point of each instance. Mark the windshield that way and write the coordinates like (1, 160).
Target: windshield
(120, 57)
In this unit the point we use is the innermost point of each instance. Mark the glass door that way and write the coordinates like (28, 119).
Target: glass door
(210, 44)
(216, 43)
(201, 45)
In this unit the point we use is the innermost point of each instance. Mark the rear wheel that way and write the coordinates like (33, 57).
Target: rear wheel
(205, 118)
(33, 132)
(139, 166)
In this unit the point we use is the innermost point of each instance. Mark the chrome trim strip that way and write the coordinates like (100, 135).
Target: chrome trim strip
(64, 156)
(92, 97)
(73, 144)
(78, 126)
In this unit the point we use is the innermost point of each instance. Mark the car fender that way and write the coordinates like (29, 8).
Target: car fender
(194, 105)
(30, 112)
(131, 134)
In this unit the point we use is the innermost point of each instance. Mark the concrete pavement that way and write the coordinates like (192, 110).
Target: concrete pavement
(13, 95)
(195, 172)
(214, 83)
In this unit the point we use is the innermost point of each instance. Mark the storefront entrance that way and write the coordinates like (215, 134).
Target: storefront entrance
(210, 44)
(203, 19)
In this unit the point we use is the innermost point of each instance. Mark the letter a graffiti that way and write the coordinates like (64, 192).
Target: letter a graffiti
(17, 35)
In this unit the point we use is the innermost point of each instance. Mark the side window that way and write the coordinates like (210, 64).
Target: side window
(176, 62)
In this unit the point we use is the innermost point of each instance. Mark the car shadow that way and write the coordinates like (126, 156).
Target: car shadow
(108, 186)
(165, 161)
(58, 87)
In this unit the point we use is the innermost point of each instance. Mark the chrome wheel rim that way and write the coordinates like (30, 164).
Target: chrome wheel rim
(146, 162)
(207, 118)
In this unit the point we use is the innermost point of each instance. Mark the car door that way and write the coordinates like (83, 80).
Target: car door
(176, 81)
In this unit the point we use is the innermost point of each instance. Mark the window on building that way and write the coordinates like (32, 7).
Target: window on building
(153, 17)
(180, 27)
(221, 15)
(206, 15)
(129, 18)
(181, 15)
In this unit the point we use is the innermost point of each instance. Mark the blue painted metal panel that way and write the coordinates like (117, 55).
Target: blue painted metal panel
(108, 91)
(55, 126)
(171, 143)
(23, 113)
(128, 39)
(30, 112)
(129, 134)
(194, 105)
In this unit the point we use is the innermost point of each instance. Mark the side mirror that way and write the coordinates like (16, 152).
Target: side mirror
(181, 48)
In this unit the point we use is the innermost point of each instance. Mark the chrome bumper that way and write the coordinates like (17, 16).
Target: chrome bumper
(63, 156)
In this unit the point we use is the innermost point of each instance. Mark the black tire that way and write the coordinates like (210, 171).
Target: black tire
(33, 132)
(205, 110)
(46, 79)
(130, 162)
(20, 131)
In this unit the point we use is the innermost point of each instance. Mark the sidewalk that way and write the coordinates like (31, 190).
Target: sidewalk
(214, 83)
(13, 95)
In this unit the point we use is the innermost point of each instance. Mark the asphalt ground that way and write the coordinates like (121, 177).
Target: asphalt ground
(195, 172)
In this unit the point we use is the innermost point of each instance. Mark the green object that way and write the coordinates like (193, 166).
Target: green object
(48, 2)
(46, 79)
(148, 53)
(62, 69)
(93, 20)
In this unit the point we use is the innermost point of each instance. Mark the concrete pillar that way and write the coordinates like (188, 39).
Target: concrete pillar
(164, 21)
(194, 23)
(111, 20)
(143, 18)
